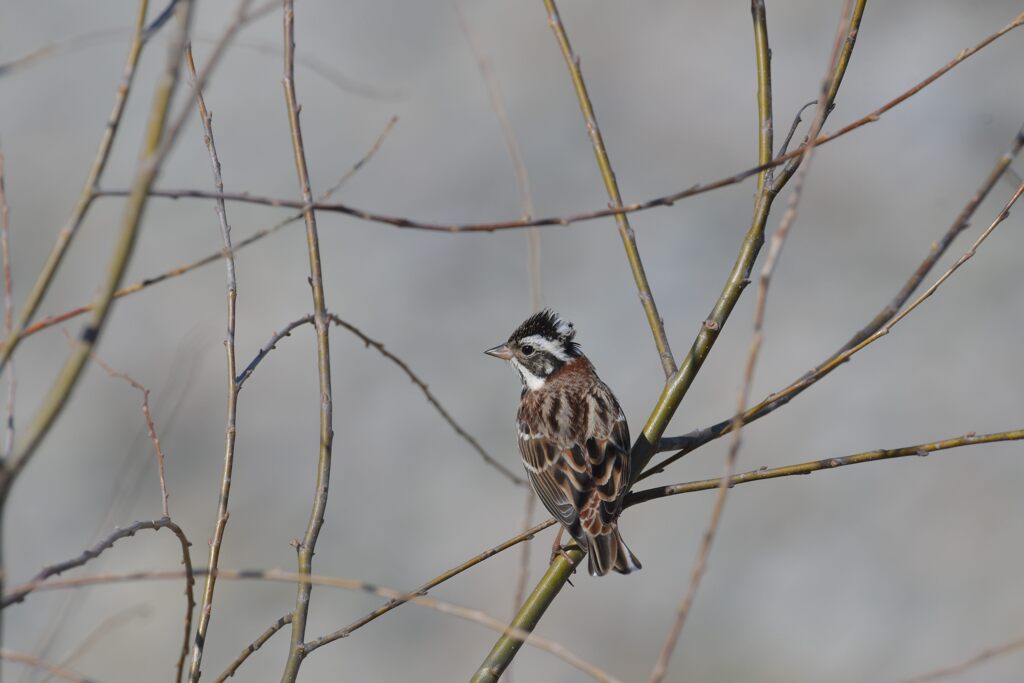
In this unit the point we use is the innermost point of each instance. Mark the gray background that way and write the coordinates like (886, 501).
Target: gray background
(874, 572)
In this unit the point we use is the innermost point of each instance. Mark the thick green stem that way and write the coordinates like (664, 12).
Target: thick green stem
(675, 389)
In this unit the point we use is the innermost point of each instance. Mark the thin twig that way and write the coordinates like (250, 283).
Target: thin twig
(100, 631)
(217, 256)
(307, 546)
(159, 140)
(147, 415)
(5, 247)
(87, 194)
(422, 590)
(666, 200)
(252, 647)
(145, 175)
(690, 442)
(533, 253)
(271, 344)
(960, 667)
(274, 575)
(764, 473)
(572, 61)
(17, 595)
(838, 359)
(668, 402)
(36, 663)
(757, 336)
(220, 526)
(466, 436)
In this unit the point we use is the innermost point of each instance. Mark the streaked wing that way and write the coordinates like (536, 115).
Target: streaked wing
(541, 457)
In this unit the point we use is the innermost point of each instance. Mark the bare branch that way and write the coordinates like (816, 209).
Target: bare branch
(467, 614)
(775, 248)
(969, 439)
(981, 658)
(422, 590)
(5, 247)
(775, 400)
(323, 352)
(667, 200)
(87, 193)
(252, 647)
(103, 629)
(275, 339)
(212, 258)
(466, 436)
(36, 663)
(220, 524)
(146, 414)
(18, 594)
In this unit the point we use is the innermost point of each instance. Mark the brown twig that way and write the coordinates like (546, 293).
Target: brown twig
(466, 436)
(960, 667)
(271, 344)
(533, 252)
(88, 191)
(36, 663)
(217, 256)
(146, 414)
(422, 590)
(252, 647)
(101, 630)
(764, 473)
(690, 442)
(467, 614)
(667, 200)
(307, 546)
(18, 594)
(5, 247)
(220, 526)
(757, 336)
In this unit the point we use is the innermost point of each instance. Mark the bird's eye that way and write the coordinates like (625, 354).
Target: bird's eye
(527, 350)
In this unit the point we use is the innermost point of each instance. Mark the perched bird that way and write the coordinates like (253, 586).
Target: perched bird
(573, 438)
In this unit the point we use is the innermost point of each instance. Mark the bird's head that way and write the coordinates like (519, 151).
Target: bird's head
(539, 347)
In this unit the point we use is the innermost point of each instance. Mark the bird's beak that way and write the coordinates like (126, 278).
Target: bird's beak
(502, 352)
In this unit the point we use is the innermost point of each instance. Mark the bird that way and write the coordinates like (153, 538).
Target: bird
(573, 438)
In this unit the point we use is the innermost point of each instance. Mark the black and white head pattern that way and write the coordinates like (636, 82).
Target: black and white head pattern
(542, 345)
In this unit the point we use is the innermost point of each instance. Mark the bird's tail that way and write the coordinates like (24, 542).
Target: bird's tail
(607, 552)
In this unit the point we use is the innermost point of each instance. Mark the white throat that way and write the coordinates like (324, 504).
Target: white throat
(532, 381)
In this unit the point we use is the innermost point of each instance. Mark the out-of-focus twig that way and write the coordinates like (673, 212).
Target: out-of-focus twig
(50, 321)
(960, 667)
(654, 320)
(36, 663)
(102, 630)
(88, 191)
(668, 402)
(275, 575)
(775, 400)
(757, 336)
(666, 200)
(147, 415)
(155, 150)
(533, 251)
(422, 590)
(18, 594)
(5, 248)
(252, 647)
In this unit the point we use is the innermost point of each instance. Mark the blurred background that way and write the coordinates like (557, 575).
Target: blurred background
(868, 573)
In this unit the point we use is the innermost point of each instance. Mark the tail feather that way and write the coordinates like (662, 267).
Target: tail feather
(608, 552)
